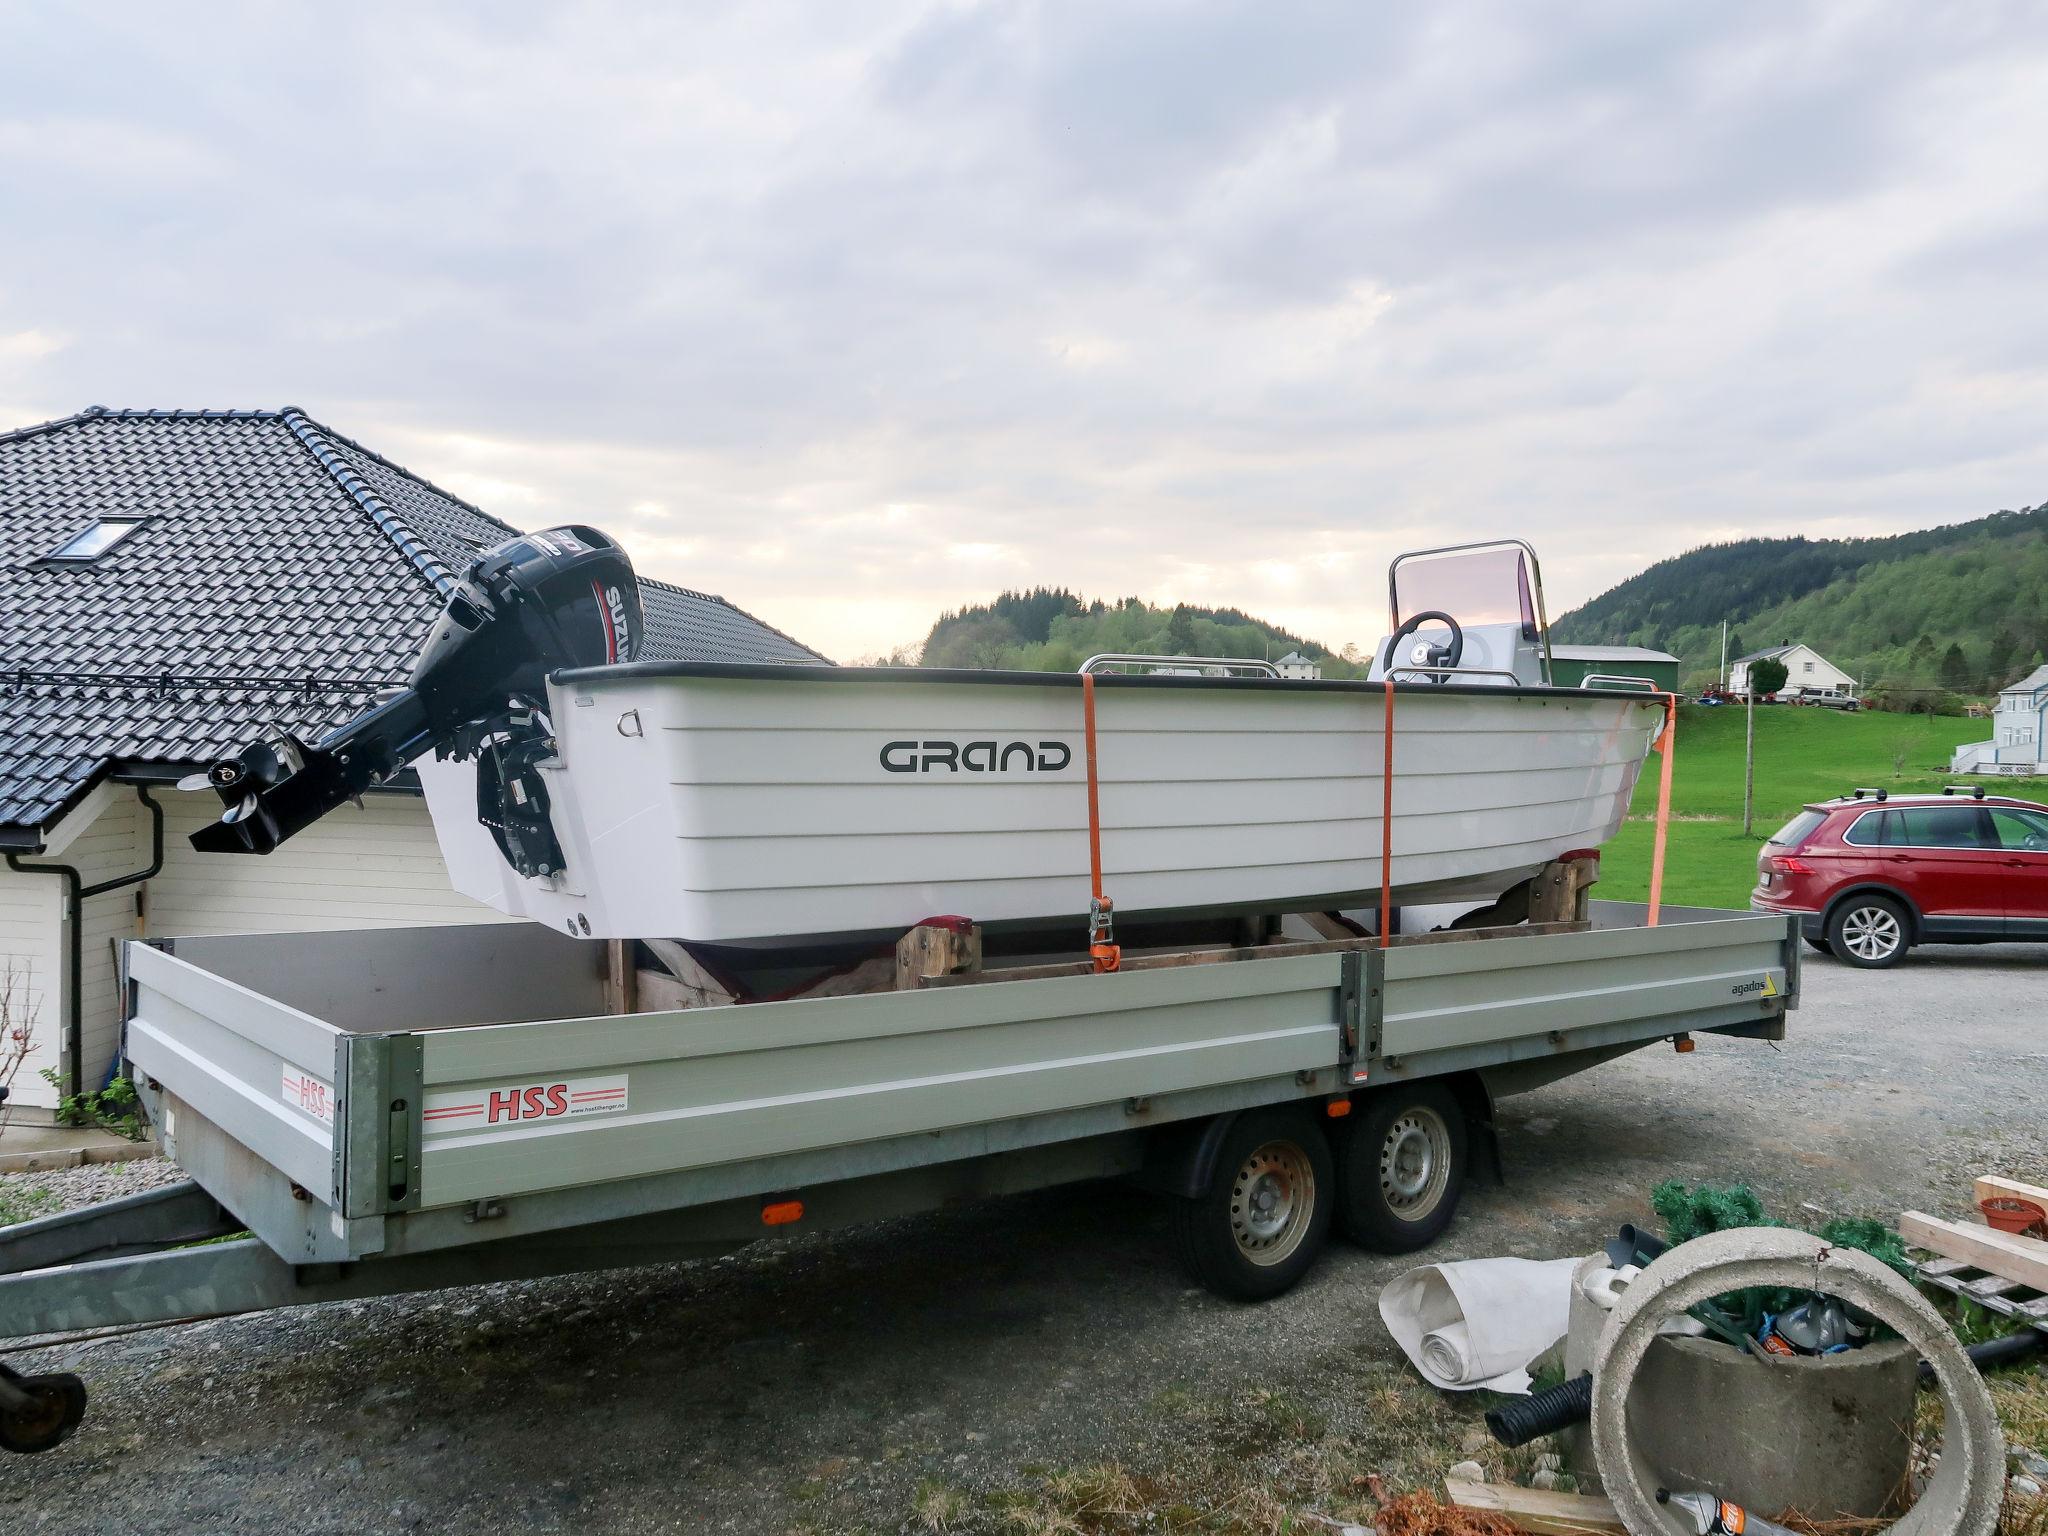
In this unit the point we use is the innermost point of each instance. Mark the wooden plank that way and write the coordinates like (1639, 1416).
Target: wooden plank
(700, 989)
(2024, 1259)
(1985, 1286)
(868, 976)
(1226, 955)
(659, 992)
(1992, 1187)
(1538, 1509)
(622, 977)
(1330, 925)
(1516, 931)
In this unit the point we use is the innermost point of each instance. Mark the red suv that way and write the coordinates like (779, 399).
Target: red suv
(1872, 874)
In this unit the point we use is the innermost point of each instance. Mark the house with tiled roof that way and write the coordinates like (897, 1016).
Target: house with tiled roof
(172, 582)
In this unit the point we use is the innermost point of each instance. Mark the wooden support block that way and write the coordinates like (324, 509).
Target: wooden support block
(1562, 890)
(1992, 1187)
(936, 949)
(1538, 1509)
(2024, 1259)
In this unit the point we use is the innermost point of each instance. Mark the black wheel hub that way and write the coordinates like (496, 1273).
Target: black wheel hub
(55, 1410)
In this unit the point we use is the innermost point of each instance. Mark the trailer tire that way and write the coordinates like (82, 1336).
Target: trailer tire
(1402, 1167)
(59, 1409)
(1266, 1214)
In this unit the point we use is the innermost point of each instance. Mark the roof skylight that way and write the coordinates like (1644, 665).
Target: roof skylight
(94, 540)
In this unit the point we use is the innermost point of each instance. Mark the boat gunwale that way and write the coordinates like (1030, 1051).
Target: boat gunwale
(751, 671)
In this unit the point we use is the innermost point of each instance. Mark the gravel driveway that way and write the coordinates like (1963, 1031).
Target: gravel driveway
(873, 1378)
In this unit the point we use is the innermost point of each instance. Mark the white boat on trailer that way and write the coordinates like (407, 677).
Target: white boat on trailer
(733, 804)
(620, 799)
(729, 804)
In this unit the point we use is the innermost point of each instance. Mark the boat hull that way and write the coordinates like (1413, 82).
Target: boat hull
(738, 804)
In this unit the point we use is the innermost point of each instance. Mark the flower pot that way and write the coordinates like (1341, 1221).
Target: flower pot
(2007, 1213)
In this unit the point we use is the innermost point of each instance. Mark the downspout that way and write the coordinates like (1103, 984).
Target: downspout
(76, 894)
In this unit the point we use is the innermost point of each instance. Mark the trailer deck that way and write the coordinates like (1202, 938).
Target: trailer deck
(387, 1111)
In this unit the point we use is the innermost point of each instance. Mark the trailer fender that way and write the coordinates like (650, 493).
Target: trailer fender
(1181, 1159)
(1483, 1139)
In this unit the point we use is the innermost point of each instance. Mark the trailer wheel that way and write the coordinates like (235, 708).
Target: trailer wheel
(1266, 1214)
(1402, 1168)
(57, 1410)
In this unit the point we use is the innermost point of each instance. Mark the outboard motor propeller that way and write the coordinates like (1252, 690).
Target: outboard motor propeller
(566, 597)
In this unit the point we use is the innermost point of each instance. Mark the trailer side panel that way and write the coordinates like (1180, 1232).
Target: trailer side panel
(519, 1108)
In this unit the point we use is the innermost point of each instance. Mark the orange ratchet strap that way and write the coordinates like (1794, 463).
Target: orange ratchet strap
(1102, 945)
(1387, 821)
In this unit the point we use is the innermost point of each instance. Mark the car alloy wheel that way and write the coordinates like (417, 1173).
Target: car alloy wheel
(1872, 932)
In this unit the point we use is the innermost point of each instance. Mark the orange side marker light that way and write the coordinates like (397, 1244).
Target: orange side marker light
(1685, 1045)
(780, 1213)
(1337, 1109)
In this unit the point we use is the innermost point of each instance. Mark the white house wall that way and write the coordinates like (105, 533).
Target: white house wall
(115, 844)
(378, 867)
(29, 950)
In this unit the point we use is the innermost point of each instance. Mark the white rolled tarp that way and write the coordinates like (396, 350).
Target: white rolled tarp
(1479, 1322)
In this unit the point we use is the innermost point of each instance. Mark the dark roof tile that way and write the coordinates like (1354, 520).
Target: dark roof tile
(273, 549)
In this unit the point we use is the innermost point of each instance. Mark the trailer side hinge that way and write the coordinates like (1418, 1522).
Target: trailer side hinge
(1372, 1005)
(404, 1075)
(1348, 984)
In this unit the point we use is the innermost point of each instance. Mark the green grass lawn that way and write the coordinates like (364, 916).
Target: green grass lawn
(1801, 755)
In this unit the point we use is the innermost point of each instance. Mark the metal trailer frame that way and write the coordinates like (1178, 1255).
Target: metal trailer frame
(329, 1094)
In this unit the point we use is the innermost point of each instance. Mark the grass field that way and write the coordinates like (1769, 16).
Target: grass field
(1801, 755)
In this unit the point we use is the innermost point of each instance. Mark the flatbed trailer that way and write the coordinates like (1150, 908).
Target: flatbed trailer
(390, 1111)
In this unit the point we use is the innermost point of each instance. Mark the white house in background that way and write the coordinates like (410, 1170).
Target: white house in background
(2019, 731)
(1296, 665)
(1806, 670)
(172, 582)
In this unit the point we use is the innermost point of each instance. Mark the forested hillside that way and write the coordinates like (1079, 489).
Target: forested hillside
(1052, 630)
(1962, 608)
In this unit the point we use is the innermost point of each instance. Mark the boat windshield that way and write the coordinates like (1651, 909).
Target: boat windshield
(1485, 585)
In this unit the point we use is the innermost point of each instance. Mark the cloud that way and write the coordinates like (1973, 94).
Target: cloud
(1220, 301)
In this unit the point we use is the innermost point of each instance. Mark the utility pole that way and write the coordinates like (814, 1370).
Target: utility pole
(1748, 757)
(1724, 654)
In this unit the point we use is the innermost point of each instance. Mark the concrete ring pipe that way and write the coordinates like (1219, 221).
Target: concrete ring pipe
(1962, 1497)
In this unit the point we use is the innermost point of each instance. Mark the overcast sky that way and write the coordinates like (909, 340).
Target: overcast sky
(855, 312)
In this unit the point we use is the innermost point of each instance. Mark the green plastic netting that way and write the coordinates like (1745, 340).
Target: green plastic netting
(1690, 1213)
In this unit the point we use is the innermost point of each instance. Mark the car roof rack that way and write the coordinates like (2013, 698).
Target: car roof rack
(1879, 795)
(1974, 791)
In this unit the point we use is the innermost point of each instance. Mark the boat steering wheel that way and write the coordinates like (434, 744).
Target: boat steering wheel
(1434, 655)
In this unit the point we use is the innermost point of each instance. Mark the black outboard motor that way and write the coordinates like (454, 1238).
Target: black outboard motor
(566, 597)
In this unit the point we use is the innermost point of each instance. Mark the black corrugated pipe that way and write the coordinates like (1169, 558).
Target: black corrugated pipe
(76, 893)
(1522, 1419)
